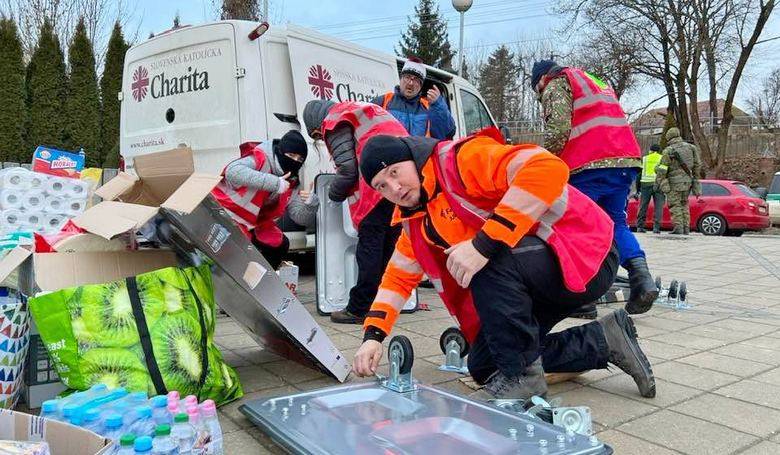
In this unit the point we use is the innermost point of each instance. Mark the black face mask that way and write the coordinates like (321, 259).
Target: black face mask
(287, 164)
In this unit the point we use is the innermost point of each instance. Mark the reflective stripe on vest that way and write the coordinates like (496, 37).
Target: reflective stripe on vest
(245, 207)
(423, 101)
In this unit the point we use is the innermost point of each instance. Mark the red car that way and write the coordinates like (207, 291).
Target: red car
(725, 207)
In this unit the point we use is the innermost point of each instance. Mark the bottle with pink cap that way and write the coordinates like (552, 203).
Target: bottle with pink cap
(202, 436)
(208, 417)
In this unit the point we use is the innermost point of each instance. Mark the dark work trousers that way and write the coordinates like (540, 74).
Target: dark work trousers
(520, 297)
(645, 193)
(273, 254)
(376, 242)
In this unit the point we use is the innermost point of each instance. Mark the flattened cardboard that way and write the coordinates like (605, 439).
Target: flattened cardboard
(55, 271)
(63, 439)
(191, 192)
(12, 260)
(111, 218)
(122, 183)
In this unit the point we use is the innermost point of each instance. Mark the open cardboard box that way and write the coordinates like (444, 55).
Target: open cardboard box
(63, 439)
(165, 180)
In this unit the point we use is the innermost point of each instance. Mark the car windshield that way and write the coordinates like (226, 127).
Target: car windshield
(747, 191)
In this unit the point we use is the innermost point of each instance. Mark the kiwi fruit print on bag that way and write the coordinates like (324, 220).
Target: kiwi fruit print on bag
(93, 337)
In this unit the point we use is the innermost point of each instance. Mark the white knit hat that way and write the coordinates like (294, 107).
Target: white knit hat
(414, 67)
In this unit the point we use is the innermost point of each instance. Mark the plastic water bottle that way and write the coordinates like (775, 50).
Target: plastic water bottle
(49, 410)
(76, 420)
(201, 432)
(189, 400)
(183, 433)
(144, 423)
(173, 408)
(160, 412)
(126, 445)
(93, 398)
(113, 427)
(210, 420)
(143, 444)
(92, 421)
(70, 404)
(163, 444)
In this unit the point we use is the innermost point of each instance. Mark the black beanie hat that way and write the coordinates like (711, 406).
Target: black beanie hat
(314, 113)
(541, 68)
(380, 152)
(291, 142)
(655, 148)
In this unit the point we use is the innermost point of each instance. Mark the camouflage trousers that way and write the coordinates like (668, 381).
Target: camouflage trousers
(678, 207)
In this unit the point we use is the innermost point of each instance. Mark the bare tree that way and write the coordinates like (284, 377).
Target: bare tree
(765, 102)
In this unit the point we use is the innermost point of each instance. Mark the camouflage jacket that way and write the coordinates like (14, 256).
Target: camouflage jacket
(670, 170)
(557, 101)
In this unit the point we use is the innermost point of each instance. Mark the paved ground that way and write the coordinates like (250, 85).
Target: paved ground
(717, 365)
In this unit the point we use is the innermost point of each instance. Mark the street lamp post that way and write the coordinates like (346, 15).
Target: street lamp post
(461, 6)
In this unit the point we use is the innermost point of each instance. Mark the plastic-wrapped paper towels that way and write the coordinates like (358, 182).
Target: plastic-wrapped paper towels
(35, 202)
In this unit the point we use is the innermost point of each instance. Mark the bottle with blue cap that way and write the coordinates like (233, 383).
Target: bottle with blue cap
(126, 445)
(144, 424)
(113, 427)
(49, 410)
(143, 444)
(92, 420)
(160, 410)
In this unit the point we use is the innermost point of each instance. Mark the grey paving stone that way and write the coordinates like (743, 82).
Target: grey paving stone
(687, 434)
(771, 377)
(291, 372)
(607, 408)
(769, 341)
(667, 393)
(754, 392)
(692, 376)
(255, 378)
(725, 364)
(659, 348)
(236, 341)
(746, 351)
(765, 448)
(688, 340)
(739, 415)
(625, 444)
(242, 443)
(718, 333)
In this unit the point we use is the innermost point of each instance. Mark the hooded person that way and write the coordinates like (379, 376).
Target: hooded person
(587, 128)
(512, 250)
(345, 128)
(421, 114)
(258, 187)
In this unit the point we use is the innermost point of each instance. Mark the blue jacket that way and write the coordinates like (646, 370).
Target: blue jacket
(414, 117)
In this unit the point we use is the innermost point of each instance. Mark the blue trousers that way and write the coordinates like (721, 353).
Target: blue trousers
(609, 188)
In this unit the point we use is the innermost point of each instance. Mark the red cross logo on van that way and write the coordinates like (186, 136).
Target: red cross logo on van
(140, 83)
(320, 81)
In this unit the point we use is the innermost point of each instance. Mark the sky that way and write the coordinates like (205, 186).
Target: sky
(379, 24)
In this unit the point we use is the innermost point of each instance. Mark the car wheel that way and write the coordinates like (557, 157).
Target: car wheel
(712, 224)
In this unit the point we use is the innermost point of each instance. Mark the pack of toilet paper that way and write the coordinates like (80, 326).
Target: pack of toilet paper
(36, 202)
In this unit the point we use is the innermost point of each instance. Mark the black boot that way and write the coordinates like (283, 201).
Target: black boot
(587, 311)
(677, 231)
(643, 290)
(656, 229)
(686, 230)
(641, 229)
(523, 387)
(346, 317)
(625, 353)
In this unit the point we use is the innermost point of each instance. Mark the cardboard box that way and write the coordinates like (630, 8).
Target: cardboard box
(165, 180)
(63, 439)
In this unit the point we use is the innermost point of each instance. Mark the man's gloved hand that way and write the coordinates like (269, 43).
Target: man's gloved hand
(284, 185)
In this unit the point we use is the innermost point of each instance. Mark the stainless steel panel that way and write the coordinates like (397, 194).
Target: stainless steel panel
(269, 312)
(336, 240)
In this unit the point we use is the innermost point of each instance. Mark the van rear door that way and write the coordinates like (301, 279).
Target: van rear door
(325, 68)
(181, 88)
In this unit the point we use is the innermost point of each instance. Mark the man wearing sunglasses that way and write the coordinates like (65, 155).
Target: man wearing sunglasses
(422, 115)
(257, 188)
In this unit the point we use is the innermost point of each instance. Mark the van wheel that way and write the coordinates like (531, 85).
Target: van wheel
(712, 224)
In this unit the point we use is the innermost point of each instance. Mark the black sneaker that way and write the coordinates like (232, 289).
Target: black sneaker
(625, 352)
(501, 387)
(345, 317)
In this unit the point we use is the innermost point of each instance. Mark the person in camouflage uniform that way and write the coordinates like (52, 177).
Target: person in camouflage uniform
(607, 181)
(677, 176)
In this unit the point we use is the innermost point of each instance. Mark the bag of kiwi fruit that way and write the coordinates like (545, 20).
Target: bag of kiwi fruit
(152, 333)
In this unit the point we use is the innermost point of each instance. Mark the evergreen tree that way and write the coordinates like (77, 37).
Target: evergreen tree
(110, 86)
(46, 85)
(498, 83)
(13, 113)
(247, 10)
(82, 104)
(426, 37)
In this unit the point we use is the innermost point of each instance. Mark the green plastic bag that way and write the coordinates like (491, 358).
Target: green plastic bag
(152, 333)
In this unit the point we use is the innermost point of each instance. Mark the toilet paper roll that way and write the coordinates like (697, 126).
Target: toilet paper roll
(11, 199)
(77, 189)
(37, 181)
(16, 178)
(12, 217)
(34, 219)
(34, 200)
(53, 222)
(55, 186)
(55, 204)
(75, 207)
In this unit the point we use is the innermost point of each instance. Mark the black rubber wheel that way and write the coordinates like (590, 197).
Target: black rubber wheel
(712, 224)
(673, 289)
(404, 346)
(683, 291)
(658, 282)
(454, 333)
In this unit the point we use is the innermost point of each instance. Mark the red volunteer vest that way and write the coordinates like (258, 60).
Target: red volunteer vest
(599, 129)
(248, 207)
(580, 252)
(367, 120)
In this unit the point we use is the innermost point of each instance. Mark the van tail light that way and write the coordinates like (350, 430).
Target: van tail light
(259, 31)
(121, 163)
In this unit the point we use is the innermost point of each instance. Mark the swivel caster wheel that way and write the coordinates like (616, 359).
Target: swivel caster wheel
(673, 289)
(658, 282)
(683, 291)
(455, 347)
(401, 357)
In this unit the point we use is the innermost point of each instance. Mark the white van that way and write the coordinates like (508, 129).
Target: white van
(218, 85)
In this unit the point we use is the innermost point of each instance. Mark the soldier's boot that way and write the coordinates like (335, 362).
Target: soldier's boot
(678, 230)
(686, 230)
(656, 229)
(587, 311)
(641, 229)
(643, 289)
(501, 387)
(625, 353)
